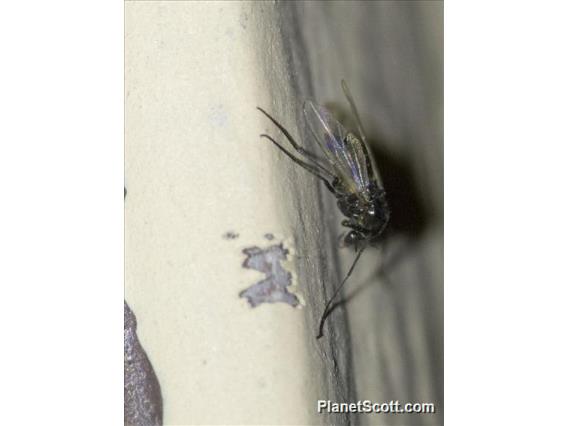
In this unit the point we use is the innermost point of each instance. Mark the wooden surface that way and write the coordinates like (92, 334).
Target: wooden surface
(391, 54)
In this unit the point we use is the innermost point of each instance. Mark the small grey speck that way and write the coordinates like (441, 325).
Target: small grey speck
(230, 235)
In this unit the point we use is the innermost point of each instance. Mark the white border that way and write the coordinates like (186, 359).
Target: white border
(506, 152)
(61, 217)
(61, 172)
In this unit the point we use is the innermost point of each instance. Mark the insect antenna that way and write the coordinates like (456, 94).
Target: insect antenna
(296, 145)
(307, 166)
(328, 311)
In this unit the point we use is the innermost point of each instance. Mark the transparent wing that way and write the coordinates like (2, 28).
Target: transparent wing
(343, 150)
(373, 170)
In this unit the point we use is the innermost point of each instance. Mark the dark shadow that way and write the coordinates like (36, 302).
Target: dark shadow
(408, 214)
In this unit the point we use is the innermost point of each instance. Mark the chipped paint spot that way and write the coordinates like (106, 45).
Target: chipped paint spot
(269, 236)
(273, 288)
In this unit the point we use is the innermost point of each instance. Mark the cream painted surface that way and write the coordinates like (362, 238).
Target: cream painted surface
(195, 169)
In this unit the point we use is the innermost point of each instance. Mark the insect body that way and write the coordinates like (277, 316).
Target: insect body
(348, 173)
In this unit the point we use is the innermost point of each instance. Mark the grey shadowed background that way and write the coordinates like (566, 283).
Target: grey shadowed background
(391, 54)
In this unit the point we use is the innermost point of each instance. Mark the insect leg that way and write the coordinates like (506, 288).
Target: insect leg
(354, 226)
(296, 146)
(328, 311)
(308, 167)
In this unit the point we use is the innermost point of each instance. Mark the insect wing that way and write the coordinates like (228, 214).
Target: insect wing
(343, 150)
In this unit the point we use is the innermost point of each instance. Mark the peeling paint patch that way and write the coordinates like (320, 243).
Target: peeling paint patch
(142, 396)
(273, 288)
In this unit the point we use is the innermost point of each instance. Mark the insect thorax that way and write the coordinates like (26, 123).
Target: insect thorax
(366, 210)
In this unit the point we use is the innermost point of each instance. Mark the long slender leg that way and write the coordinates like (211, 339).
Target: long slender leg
(327, 311)
(308, 167)
(296, 145)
